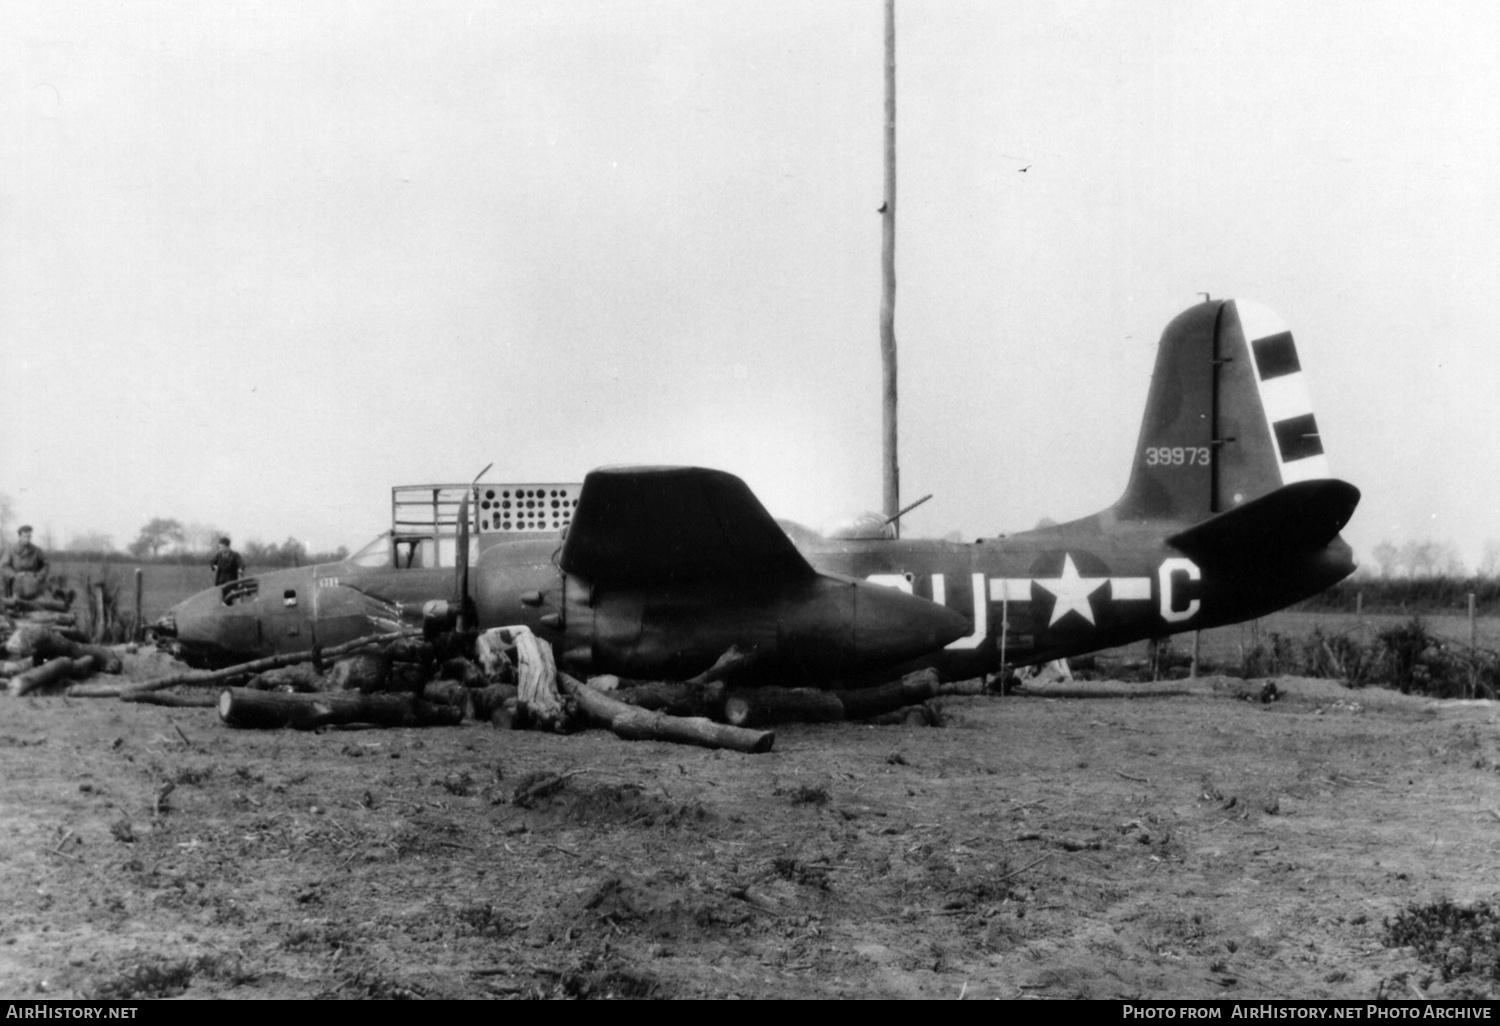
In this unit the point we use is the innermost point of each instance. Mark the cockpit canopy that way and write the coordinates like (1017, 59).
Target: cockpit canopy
(390, 550)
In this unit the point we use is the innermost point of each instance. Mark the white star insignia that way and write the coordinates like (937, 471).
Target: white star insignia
(1072, 592)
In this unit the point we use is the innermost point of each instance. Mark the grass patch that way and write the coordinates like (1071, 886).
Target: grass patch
(1455, 940)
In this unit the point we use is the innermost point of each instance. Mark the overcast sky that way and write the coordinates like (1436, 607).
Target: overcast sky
(259, 262)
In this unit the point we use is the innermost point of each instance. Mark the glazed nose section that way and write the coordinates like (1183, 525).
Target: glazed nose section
(199, 621)
(191, 621)
(892, 626)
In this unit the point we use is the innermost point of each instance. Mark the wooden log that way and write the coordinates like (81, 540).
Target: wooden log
(1207, 687)
(782, 705)
(537, 684)
(912, 689)
(201, 700)
(50, 645)
(11, 667)
(449, 692)
(55, 671)
(761, 706)
(734, 659)
(21, 605)
(94, 691)
(911, 716)
(495, 652)
(675, 699)
(644, 725)
(365, 672)
(973, 686)
(240, 707)
(407, 678)
(507, 716)
(259, 665)
(487, 701)
(411, 649)
(302, 678)
(464, 672)
(50, 619)
(635, 724)
(20, 643)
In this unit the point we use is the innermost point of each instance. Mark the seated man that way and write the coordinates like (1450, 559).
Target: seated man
(24, 568)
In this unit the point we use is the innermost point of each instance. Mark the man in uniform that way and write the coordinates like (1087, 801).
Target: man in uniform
(227, 564)
(24, 568)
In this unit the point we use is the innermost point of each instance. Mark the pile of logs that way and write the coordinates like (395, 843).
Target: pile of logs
(44, 647)
(505, 676)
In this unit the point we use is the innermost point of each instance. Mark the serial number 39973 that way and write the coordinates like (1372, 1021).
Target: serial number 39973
(1176, 456)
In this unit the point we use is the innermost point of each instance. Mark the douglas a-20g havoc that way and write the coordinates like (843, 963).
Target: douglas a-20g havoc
(663, 570)
(1228, 514)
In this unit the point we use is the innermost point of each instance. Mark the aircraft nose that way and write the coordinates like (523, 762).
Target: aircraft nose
(165, 626)
(894, 626)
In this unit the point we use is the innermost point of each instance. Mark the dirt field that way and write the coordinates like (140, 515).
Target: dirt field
(1052, 848)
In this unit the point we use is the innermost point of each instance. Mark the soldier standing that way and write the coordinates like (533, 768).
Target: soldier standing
(227, 564)
(24, 568)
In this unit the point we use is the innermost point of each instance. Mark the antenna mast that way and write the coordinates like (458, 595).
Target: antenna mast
(891, 471)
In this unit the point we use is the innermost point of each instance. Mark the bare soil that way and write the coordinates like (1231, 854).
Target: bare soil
(1053, 848)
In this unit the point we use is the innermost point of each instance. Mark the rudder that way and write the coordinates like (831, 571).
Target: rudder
(1227, 420)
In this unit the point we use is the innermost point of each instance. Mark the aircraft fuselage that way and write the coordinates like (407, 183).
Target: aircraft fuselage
(1059, 592)
(823, 626)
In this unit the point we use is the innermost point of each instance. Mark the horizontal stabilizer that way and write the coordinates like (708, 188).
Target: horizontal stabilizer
(1297, 517)
(648, 526)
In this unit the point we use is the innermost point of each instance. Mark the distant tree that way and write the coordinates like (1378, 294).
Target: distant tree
(91, 541)
(201, 537)
(1431, 559)
(289, 553)
(293, 552)
(1489, 562)
(1416, 558)
(1388, 557)
(256, 551)
(155, 536)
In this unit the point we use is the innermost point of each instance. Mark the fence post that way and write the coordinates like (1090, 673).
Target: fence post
(1473, 652)
(139, 630)
(96, 601)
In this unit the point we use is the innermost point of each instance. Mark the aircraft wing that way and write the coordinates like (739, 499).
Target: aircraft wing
(647, 526)
(1294, 518)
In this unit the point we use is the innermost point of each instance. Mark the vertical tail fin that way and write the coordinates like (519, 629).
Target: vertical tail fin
(1228, 418)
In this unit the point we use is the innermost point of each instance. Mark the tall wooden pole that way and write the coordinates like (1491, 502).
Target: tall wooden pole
(891, 471)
